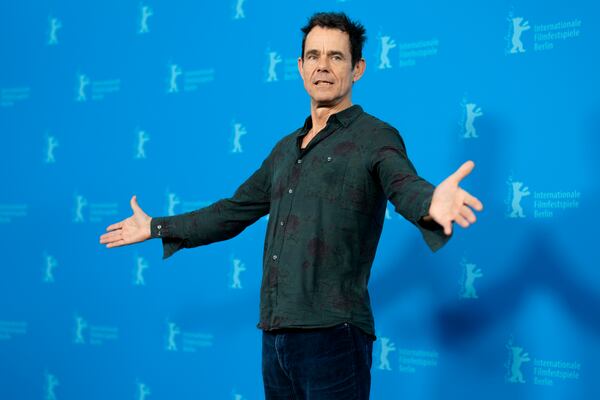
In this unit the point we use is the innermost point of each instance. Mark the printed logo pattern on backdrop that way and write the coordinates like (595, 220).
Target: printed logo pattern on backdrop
(179, 104)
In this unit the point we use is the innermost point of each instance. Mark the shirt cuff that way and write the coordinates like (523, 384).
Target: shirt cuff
(433, 233)
(159, 228)
(425, 207)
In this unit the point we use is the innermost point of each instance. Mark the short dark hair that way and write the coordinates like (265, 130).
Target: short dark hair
(338, 20)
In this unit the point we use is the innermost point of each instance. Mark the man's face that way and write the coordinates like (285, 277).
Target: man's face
(327, 66)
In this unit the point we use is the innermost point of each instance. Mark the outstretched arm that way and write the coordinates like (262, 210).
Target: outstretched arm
(219, 221)
(410, 194)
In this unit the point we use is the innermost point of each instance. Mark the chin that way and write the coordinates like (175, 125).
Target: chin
(323, 98)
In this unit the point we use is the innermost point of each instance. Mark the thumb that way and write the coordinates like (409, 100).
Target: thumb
(463, 170)
(447, 228)
(134, 205)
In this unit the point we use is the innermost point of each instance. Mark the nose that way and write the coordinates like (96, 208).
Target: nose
(323, 64)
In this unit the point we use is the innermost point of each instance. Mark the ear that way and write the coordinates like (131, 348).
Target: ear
(359, 70)
(300, 63)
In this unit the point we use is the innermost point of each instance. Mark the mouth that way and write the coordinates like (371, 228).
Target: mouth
(323, 83)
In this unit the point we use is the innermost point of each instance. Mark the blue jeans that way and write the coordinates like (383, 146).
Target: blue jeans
(318, 364)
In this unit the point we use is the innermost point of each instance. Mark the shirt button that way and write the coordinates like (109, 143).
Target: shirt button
(291, 191)
(281, 223)
(299, 161)
(274, 256)
(159, 226)
(328, 158)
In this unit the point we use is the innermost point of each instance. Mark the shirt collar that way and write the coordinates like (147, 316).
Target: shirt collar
(344, 117)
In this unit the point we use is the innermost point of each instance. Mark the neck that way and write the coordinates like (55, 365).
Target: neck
(320, 113)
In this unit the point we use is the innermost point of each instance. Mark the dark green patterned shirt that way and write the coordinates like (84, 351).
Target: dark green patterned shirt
(326, 206)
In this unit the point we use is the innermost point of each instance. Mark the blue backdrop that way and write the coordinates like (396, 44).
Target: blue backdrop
(179, 102)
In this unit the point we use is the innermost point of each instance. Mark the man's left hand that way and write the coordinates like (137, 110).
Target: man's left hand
(450, 203)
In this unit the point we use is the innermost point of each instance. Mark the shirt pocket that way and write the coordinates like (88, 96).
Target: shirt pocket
(327, 177)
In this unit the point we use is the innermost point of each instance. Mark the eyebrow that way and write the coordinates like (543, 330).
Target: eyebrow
(330, 53)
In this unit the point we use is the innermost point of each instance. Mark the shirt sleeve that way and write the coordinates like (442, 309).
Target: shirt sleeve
(405, 189)
(219, 221)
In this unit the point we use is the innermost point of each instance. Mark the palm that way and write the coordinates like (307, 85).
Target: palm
(450, 203)
(130, 230)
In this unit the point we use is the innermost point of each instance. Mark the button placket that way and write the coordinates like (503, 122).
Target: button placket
(280, 233)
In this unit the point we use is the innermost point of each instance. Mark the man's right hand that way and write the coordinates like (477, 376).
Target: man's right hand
(131, 230)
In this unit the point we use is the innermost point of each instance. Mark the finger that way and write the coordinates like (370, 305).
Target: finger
(461, 221)
(110, 237)
(463, 170)
(468, 214)
(473, 201)
(117, 225)
(118, 243)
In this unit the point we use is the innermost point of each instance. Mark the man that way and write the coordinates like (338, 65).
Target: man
(325, 188)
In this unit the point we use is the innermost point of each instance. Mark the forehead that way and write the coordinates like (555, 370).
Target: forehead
(327, 38)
